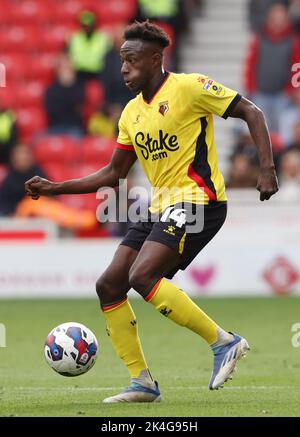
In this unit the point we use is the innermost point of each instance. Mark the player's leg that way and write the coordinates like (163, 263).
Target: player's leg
(154, 261)
(122, 328)
(146, 277)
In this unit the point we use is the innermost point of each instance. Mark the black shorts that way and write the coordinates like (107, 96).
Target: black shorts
(172, 229)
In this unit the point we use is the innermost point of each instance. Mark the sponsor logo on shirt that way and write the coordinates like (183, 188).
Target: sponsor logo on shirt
(156, 147)
(212, 87)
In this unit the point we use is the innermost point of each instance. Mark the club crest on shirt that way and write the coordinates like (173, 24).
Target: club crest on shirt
(163, 107)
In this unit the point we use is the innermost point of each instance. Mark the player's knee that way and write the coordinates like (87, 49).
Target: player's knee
(101, 287)
(104, 289)
(108, 291)
(139, 281)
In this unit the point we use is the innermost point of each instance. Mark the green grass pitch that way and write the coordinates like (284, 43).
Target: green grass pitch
(267, 382)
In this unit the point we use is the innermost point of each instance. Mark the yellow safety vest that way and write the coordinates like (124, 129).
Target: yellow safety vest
(159, 8)
(88, 53)
(7, 119)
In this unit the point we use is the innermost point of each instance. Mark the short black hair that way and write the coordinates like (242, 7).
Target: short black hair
(147, 31)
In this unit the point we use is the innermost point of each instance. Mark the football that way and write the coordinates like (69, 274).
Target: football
(71, 349)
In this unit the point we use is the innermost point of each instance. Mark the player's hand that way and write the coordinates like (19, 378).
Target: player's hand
(267, 183)
(37, 186)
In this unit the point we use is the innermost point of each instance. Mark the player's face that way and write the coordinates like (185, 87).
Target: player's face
(138, 64)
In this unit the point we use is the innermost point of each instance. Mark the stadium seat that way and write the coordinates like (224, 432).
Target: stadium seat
(7, 98)
(14, 64)
(6, 12)
(115, 11)
(30, 122)
(57, 149)
(80, 201)
(97, 150)
(29, 94)
(30, 11)
(85, 170)
(67, 11)
(56, 171)
(54, 38)
(18, 39)
(42, 66)
(93, 100)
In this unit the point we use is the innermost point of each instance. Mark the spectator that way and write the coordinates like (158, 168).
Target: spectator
(175, 15)
(294, 11)
(289, 118)
(88, 47)
(269, 65)
(172, 12)
(243, 172)
(295, 140)
(245, 146)
(22, 168)
(8, 134)
(290, 176)
(104, 122)
(64, 100)
(116, 93)
(258, 10)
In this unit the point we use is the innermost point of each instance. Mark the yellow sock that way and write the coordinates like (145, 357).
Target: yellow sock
(173, 303)
(122, 330)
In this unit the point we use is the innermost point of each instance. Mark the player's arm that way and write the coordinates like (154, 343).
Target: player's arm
(108, 176)
(267, 183)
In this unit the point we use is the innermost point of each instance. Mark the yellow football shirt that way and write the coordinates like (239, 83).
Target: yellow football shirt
(173, 138)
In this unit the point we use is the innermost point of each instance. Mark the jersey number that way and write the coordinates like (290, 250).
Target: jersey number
(178, 215)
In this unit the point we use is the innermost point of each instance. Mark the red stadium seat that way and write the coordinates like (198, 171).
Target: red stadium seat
(18, 39)
(30, 122)
(94, 98)
(19, 95)
(54, 38)
(26, 12)
(68, 11)
(29, 94)
(7, 98)
(42, 67)
(7, 12)
(82, 201)
(14, 64)
(115, 11)
(57, 149)
(85, 170)
(54, 171)
(97, 150)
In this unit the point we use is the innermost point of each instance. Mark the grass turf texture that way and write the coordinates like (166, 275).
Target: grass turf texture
(267, 382)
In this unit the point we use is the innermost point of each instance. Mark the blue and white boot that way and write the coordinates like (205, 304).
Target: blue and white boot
(140, 390)
(225, 360)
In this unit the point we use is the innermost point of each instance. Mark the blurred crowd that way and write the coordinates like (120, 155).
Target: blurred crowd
(272, 82)
(64, 95)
